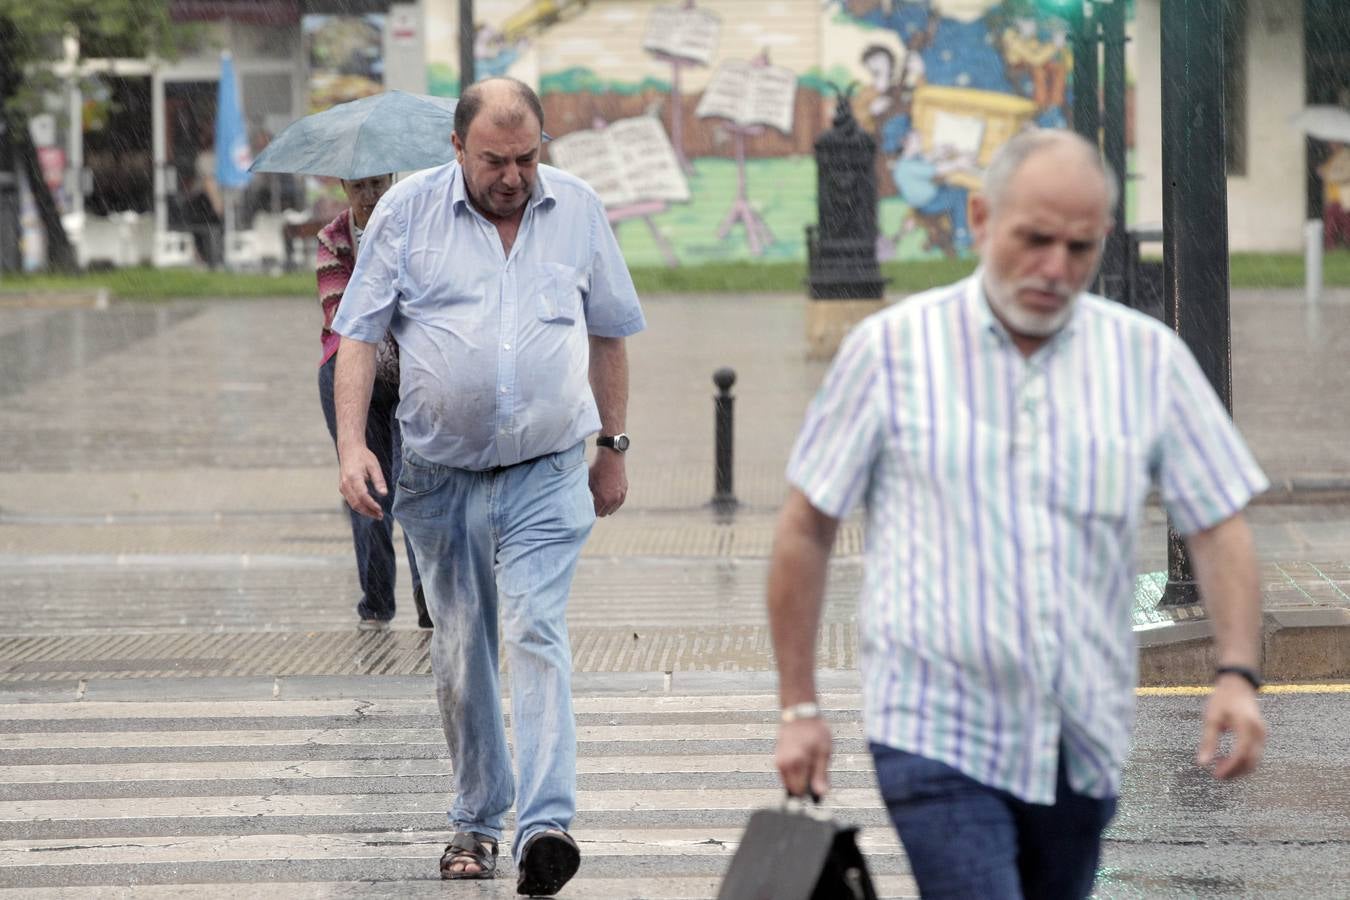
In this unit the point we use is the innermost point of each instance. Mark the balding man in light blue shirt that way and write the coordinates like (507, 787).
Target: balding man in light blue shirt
(505, 289)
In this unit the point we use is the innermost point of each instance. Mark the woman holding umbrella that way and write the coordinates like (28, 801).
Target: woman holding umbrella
(339, 243)
(358, 143)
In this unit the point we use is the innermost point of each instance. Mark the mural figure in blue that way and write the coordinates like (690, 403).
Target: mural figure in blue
(937, 205)
(956, 53)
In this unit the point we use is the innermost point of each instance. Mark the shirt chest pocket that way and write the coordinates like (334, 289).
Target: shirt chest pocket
(1101, 476)
(557, 293)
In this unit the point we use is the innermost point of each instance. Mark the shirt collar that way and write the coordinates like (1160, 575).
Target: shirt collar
(540, 193)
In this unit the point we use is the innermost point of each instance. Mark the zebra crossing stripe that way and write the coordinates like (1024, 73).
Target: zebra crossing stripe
(222, 798)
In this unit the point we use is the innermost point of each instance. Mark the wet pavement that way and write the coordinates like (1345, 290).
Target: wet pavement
(164, 467)
(170, 531)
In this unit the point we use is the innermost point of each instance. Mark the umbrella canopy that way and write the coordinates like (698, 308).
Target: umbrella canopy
(1329, 123)
(390, 132)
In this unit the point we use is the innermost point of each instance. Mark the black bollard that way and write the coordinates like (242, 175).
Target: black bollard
(723, 495)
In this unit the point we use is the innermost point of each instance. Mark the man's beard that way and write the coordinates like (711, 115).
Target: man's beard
(1003, 298)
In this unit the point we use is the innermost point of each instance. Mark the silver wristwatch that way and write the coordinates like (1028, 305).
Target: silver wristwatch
(617, 442)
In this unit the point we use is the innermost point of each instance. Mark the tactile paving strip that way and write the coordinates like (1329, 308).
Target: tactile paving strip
(729, 648)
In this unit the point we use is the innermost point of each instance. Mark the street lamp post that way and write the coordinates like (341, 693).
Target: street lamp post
(1086, 112)
(1195, 214)
(1115, 258)
(466, 44)
(1099, 111)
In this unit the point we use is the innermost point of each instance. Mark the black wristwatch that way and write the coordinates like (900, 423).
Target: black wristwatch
(617, 442)
(1242, 672)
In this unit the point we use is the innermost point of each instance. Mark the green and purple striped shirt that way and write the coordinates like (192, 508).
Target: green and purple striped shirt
(1003, 497)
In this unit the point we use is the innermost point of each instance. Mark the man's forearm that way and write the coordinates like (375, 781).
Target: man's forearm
(353, 379)
(802, 543)
(609, 382)
(1224, 558)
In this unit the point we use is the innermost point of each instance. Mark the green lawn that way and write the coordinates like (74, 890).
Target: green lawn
(1249, 270)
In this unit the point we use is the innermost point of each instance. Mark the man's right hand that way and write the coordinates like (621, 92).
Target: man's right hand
(803, 757)
(359, 472)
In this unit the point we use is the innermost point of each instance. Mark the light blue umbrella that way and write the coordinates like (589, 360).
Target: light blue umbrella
(390, 132)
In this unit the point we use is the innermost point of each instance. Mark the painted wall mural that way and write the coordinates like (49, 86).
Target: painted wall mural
(695, 120)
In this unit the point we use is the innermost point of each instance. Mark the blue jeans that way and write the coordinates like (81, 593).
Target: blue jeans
(502, 544)
(374, 541)
(965, 839)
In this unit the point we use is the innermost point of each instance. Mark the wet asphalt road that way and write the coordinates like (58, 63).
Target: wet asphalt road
(1282, 832)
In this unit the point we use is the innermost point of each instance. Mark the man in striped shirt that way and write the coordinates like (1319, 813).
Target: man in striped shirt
(1004, 432)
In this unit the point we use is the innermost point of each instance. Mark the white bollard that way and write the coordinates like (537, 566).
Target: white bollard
(1312, 260)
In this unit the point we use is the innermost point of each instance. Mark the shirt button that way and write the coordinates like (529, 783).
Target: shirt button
(505, 390)
(506, 346)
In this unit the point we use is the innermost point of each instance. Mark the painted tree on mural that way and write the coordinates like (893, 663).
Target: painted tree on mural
(31, 38)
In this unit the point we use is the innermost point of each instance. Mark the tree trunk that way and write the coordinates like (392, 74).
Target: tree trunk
(11, 257)
(60, 252)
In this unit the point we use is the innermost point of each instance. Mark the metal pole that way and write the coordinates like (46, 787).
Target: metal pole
(1314, 235)
(1195, 214)
(1115, 260)
(1086, 116)
(159, 125)
(724, 496)
(466, 42)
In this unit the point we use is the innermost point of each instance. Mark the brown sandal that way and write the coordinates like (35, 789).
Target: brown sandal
(466, 848)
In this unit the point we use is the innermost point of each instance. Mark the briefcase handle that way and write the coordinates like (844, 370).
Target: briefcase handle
(793, 803)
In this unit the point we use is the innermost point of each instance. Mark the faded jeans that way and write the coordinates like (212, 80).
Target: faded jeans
(502, 544)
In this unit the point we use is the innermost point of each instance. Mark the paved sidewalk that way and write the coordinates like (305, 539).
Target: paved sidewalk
(164, 471)
(186, 708)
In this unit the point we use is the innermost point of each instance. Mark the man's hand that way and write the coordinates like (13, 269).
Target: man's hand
(1232, 708)
(1224, 561)
(803, 757)
(353, 376)
(609, 481)
(359, 472)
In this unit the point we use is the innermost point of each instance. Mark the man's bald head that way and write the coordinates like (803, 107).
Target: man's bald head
(1070, 148)
(508, 102)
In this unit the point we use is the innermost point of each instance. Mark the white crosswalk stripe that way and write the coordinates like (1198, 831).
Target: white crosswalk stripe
(346, 797)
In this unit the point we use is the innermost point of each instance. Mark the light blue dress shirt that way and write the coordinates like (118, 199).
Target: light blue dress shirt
(493, 349)
(1004, 496)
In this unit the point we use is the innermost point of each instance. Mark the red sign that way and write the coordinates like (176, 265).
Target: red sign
(52, 162)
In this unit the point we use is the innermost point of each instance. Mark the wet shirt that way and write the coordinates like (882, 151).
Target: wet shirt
(494, 352)
(1003, 497)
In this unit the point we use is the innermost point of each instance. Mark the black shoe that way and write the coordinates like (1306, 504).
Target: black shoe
(423, 619)
(548, 862)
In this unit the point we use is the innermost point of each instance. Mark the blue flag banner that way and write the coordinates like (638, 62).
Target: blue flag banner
(232, 152)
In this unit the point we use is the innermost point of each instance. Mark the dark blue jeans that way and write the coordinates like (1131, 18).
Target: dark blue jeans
(374, 541)
(965, 839)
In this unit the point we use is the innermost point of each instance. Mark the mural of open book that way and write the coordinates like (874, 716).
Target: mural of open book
(688, 34)
(631, 165)
(750, 93)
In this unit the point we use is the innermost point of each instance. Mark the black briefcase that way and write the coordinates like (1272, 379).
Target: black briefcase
(797, 853)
